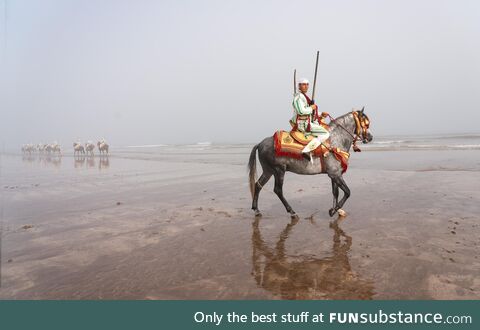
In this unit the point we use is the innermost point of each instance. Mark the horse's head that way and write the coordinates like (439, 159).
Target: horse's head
(363, 124)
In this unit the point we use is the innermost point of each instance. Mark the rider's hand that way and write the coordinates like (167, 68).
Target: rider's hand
(314, 107)
(325, 114)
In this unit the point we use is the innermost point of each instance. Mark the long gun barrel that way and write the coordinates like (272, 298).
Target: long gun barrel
(315, 79)
(294, 81)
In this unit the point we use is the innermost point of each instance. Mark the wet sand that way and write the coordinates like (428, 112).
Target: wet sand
(177, 225)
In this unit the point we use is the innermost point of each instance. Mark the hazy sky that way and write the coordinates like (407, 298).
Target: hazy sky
(146, 72)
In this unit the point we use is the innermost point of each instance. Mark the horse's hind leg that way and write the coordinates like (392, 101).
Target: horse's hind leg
(279, 176)
(258, 186)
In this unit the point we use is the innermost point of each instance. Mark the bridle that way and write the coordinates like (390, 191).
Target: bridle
(362, 124)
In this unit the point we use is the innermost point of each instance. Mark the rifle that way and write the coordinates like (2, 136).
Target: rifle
(314, 84)
(315, 79)
(294, 81)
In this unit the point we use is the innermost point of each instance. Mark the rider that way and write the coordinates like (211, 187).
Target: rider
(306, 118)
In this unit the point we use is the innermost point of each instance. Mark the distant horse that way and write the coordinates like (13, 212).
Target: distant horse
(78, 149)
(28, 149)
(31, 148)
(48, 148)
(344, 131)
(56, 148)
(89, 147)
(41, 148)
(102, 147)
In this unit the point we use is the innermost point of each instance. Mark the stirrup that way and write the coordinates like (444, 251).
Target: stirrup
(308, 155)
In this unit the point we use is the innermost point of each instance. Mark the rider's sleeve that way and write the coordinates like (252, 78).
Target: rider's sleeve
(301, 106)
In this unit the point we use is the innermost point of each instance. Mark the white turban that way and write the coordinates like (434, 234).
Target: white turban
(303, 81)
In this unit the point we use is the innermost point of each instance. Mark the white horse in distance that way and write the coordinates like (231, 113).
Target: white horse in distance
(28, 148)
(78, 148)
(102, 147)
(89, 147)
(55, 148)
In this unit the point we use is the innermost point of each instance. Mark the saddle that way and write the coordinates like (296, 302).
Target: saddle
(300, 137)
(290, 144)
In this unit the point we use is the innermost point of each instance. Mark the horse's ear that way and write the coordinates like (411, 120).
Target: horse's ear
(362, 110)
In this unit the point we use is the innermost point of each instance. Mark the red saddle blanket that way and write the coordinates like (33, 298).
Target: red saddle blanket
(291, 144)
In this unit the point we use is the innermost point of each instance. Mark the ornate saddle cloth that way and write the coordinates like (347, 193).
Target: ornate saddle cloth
(290, 144)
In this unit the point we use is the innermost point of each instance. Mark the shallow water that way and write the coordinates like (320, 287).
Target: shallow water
(174, 222)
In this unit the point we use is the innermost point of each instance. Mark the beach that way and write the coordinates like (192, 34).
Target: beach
(174, 222)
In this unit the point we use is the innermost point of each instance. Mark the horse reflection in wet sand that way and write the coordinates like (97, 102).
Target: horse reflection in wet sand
(104, 162)
(44, 159)
(307, 277)
(79, 161)
(90, 161)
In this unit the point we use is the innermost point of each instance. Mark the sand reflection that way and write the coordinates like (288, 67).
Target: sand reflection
(44, 160)
(305, 276)
(104, 162)
(91, 161)
(79, 161)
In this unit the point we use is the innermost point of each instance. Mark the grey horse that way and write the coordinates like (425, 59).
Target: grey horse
(344, 131)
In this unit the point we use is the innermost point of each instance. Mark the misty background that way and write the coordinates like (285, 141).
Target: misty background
(147, 72)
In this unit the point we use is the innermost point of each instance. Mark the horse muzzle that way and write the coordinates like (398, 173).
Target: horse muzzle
(367, 138)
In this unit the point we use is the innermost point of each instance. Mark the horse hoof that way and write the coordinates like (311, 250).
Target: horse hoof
(258, 214)
(342, 213)
(331, 212)
(294, 216)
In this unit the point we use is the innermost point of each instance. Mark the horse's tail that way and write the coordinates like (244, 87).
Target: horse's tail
(252, 169)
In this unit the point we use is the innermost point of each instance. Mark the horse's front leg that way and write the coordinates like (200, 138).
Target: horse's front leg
(346, 194)
(335, 198)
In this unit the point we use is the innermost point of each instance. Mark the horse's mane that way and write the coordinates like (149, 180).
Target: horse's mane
(341, 119)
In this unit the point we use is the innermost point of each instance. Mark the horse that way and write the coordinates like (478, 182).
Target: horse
(56, 148)
(28, 149)
(41, 148)
(78, 148)
(89, 147)
(344, 132)
(49, 148)
(102, 146)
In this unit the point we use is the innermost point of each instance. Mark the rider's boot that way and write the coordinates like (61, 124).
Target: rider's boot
(312, 145)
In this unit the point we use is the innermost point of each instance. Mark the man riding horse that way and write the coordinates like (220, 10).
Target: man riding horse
(345, 131)
(284, 151)
(306, 119)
